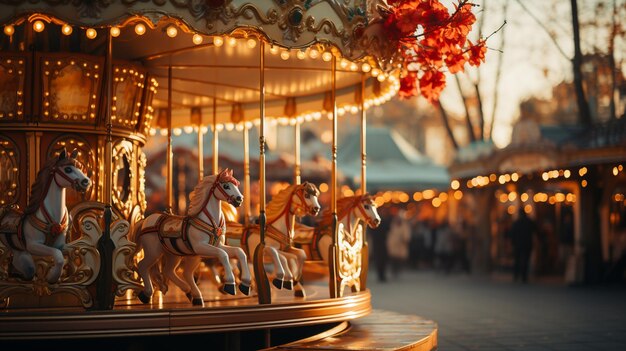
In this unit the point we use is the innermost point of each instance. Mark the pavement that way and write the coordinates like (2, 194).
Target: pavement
(494, 313)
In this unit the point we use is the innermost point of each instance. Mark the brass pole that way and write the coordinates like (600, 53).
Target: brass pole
(334, 248)
(200, 152)
(246, 174)
(298, 164)
(105, 297)
(169, 155)
(215, 140)
(365, 250)
(260, 275)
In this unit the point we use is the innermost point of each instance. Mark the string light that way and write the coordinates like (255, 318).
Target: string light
(115, 32)
(232, 42)
(9, 30)
(38, 26)
(301, 54)
(67, 29)
(91, 33)
(140, 29)
(366, 67)
(327, 56)
(273, 50)
(171, 31)
(197, 39)
(218, 41)
(251, 43)
(314, 53)
(285, 55)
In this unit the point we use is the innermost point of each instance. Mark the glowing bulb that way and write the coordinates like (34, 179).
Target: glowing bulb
(273, 50)
(218, 41)
(197, 39)
(327, 56)
(91, 33)
(285, 55)
(314, 53)
(344, 63)
(251, 43)
(9, 30)
(375, 72)
(140, 29)
(366, 67)
(354, 67)
(66, 29)
(301, 55)
(38, 26)
(171, 31)
(115, 32)
(232, 42)
(381, 78)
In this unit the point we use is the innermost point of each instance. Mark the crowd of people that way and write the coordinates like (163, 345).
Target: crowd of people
(403, 242)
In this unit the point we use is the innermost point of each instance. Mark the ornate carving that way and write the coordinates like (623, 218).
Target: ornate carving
(12, 78)
(141, 193)
(9, 172)
(349, 267)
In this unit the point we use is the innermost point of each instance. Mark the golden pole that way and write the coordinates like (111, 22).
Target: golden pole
(246, 174)
(334, 249)
(263, 286)
(365, 250)
(169, 155)
(298, 164)
(200, 153)
(215, 136)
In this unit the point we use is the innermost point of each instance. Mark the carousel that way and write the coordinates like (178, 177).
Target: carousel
(84, 85)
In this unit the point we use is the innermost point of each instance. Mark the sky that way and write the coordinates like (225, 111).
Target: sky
(532, 62)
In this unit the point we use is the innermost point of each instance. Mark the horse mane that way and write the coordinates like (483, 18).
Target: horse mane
(199, 195)
(275, 207)
(344, 205)
(38, 190)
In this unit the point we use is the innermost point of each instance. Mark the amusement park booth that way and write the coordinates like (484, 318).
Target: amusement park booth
(85, 84)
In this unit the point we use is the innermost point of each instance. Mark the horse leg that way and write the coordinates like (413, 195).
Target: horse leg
(39, 249)
(151, 253)
(170, 263)
(190, 265)
(24, 264)
(233, 251)
(222, 256)
(279, 271)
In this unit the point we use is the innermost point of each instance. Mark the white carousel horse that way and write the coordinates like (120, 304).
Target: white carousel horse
(199, 234)
(41, 229)
(350, 211)
(295, 200)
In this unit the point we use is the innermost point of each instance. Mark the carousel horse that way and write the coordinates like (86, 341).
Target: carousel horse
(190, 238)
(351, 211)
(295, 200)
(41, 230)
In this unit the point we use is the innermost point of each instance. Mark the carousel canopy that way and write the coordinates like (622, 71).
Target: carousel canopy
(207, 53)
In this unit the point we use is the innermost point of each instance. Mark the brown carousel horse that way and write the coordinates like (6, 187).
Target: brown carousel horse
(41, 229)
(199, 234)
(288, 261)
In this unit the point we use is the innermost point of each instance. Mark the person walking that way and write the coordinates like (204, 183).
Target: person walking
(523, 231)
(379, 243)
(398, 242)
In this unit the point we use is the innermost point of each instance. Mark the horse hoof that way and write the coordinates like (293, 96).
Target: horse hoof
(245, 289)
(230, 289)
(299, 293)
(277, 283)
(196, 301)
(143, 297)
(288, 285)
(189, 297)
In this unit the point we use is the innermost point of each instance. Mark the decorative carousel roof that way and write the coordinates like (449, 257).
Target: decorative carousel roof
(212, 48)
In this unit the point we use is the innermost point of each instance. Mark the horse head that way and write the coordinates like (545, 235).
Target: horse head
(368, 211)
(305, 199)
(67, 172)
(228, 187)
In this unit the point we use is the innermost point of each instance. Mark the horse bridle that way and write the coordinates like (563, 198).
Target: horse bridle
(74, 182)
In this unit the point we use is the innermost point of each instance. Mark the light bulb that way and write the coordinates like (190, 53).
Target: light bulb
(375, 72)
(197, 39)
(366, 67)
(274, 50)
(251, 43)
(314, 53)
(381, 78)
(38, 26)
(140, 29)
(218, 41)
(344, 63)
(354, 67)
(300, 54)
(91, 33)
(285, 55)
(66, 29)
(171, 31)
(115, 32)
(327, 56)
(9, 30)
(232, 42)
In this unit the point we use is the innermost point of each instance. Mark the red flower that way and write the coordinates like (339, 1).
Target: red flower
(477, 53)
(432, 84)
(408, 86)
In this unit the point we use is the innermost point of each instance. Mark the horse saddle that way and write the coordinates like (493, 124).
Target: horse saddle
(173, 226)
